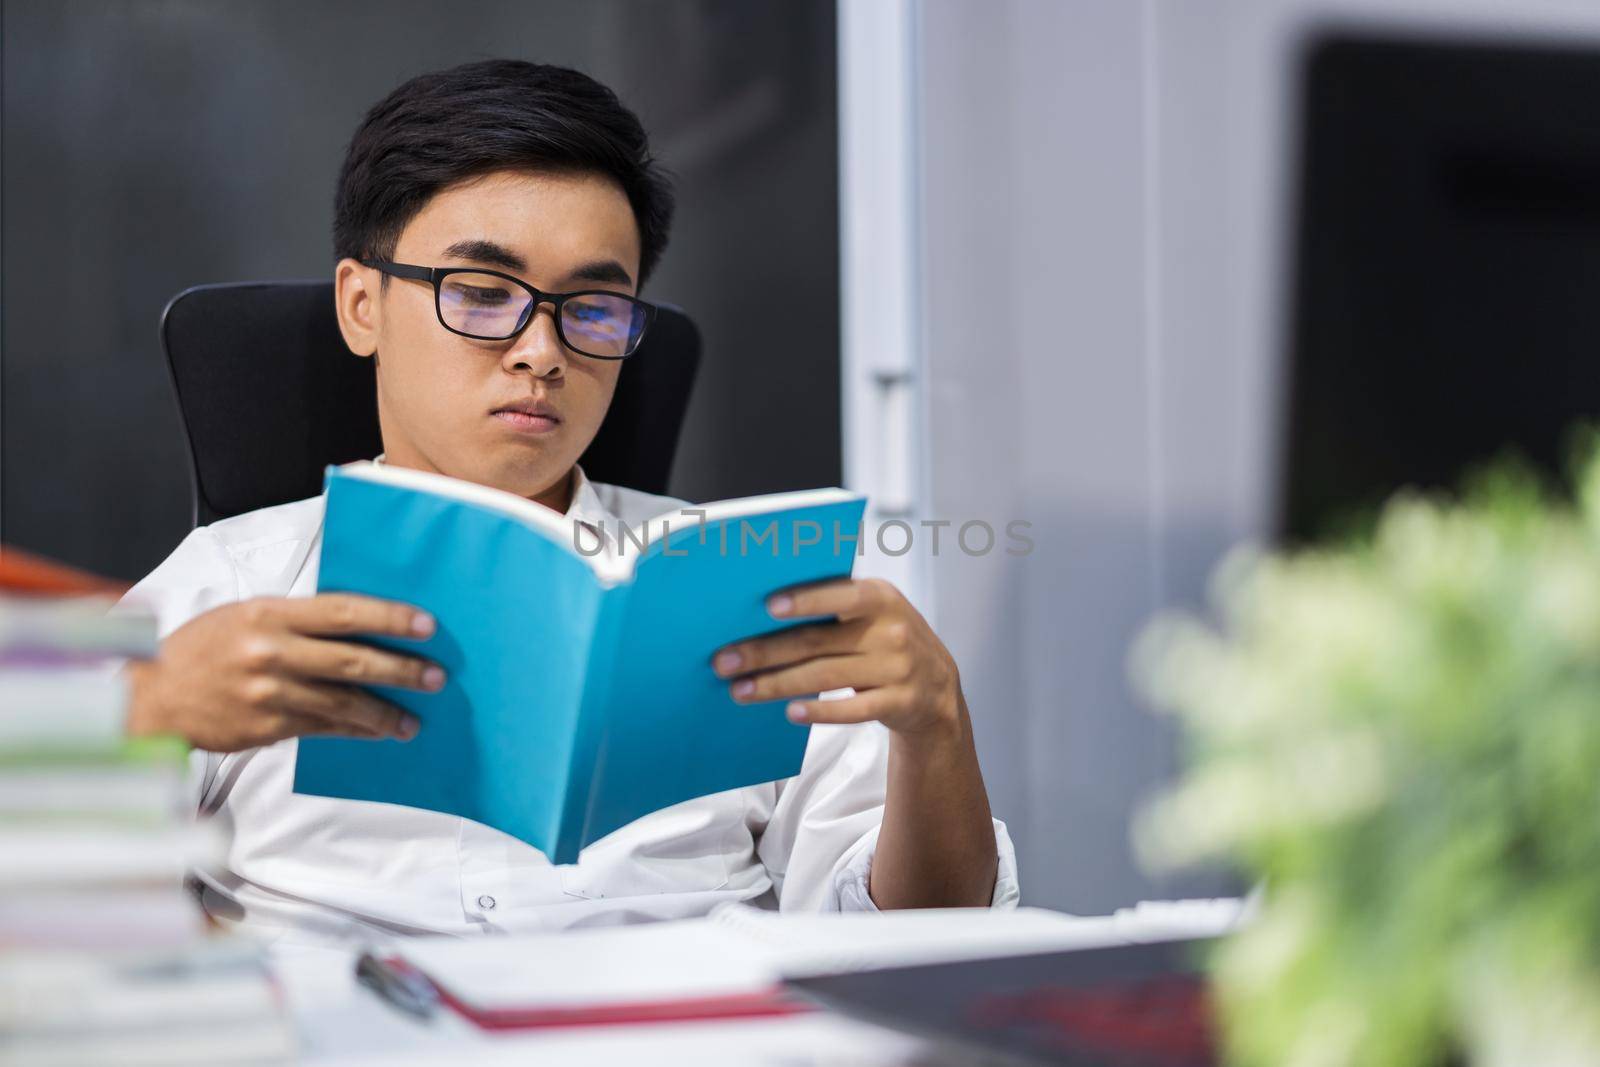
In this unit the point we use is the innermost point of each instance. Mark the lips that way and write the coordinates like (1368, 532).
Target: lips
(530, 406)
(534, 416)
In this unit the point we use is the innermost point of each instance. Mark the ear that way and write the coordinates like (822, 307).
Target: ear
(355, 301)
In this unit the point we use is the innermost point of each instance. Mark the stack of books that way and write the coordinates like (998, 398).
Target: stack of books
(104, 955)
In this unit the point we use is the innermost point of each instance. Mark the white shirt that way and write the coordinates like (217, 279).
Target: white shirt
(314, 868)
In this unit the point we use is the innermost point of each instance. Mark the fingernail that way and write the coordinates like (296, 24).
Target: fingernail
(422, 624)
(409, 725)
(796, 712)
(780, 605)
(744, 687)
(728, 662)
(433, 677)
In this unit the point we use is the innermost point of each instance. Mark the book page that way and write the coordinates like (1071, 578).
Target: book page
(626, 543)
(515, 614)
(740, 507)
(533, 515)
(672, 729)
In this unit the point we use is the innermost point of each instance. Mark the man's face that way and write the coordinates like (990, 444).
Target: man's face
(443, 398)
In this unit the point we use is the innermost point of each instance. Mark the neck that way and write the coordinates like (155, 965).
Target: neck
(558, 497)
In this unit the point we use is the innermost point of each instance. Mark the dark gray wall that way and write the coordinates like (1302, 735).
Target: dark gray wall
(150, 145)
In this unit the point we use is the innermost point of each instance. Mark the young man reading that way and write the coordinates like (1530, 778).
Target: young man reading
(540, 174)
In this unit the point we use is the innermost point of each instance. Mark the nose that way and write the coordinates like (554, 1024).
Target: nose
(537, 348)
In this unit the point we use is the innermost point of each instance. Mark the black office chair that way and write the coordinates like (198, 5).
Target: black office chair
(270, 395)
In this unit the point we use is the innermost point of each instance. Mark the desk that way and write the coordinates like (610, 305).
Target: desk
(341, 1024)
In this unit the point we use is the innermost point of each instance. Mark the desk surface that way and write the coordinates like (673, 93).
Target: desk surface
(341, 1024)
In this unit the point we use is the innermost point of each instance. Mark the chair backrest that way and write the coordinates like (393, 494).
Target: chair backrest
(270, 395)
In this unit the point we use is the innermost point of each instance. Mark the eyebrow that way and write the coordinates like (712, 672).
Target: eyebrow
(602, 270)
(480, 250)
(492, 252)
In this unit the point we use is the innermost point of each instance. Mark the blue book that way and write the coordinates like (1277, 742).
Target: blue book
(579, 693)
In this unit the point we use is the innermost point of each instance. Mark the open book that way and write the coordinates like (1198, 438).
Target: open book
(579, 693)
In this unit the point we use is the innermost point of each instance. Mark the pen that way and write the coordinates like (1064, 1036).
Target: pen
(401, 985)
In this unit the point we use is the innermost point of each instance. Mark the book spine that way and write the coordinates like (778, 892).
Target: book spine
(587, 767)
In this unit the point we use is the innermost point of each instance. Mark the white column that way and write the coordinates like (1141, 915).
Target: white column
(881, 360)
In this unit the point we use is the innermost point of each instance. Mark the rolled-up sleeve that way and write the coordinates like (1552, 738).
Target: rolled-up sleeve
(850, 877)
(819, 843)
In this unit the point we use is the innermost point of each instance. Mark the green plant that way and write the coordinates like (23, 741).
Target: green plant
(1400, 737)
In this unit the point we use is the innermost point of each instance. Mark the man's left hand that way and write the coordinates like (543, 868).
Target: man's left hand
(877, 644)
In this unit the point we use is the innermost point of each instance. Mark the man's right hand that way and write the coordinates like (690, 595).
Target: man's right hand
(261, 670)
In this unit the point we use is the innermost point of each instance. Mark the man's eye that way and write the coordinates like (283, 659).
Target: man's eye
(473, 294)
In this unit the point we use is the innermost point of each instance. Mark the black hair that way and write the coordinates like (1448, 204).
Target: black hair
(442, 128)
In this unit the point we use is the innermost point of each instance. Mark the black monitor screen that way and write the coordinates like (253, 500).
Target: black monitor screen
(1447, 273)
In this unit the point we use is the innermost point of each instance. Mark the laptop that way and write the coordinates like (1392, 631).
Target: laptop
(1125, 1006)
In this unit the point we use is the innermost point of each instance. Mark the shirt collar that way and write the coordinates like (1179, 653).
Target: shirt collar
(586, 504)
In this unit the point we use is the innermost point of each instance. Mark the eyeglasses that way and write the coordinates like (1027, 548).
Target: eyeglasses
(491, 306)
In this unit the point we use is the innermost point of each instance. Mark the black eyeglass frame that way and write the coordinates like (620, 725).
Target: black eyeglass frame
(435, 276)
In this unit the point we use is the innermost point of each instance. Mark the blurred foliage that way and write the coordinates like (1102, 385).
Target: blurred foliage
(1400, 736)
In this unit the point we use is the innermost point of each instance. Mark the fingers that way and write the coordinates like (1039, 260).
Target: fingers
(845, 597)
(874, 704)
(819, 675)
(290, 725)
(789, 647)
(346, 661)
(864, 647)
(337, 614)
(327, 707)
(270, 726)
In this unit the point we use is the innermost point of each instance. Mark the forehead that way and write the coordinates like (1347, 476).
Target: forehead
(554, 220)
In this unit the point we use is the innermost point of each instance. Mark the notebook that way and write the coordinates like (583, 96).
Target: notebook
(579, 693)
(1145, 1005)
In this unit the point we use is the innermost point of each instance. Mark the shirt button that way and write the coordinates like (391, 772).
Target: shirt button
(486, 902)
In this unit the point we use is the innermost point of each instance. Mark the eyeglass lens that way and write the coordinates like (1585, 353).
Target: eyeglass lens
(483, 305)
